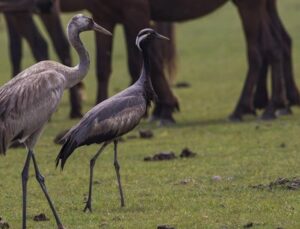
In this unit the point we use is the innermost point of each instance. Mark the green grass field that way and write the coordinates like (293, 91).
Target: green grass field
(180, 192)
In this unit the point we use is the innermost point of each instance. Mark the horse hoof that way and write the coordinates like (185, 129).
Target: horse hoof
(284, 111)
(167, 122)
(268, 116)
(235, 118)
(75, 115)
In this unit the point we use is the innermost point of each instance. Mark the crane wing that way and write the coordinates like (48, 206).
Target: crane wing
(27, 103)
(105, 122)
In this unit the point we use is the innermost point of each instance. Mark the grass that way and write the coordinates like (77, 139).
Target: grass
(212, 58)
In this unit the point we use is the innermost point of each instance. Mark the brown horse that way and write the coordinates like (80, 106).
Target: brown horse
(268, 45)
(20, 24)
(8, 5)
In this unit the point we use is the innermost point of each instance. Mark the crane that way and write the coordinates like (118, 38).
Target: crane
(109, 120)
(29, 99)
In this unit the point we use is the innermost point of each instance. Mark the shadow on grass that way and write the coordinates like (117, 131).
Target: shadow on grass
(210, 122)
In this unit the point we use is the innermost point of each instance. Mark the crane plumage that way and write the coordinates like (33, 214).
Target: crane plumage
(113, 117)
(29, 99)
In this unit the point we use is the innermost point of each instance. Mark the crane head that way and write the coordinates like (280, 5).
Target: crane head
(146, 35)
(84, 23)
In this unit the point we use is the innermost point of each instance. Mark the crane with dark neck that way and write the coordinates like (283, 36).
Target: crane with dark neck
(109, 120)
(143, 41)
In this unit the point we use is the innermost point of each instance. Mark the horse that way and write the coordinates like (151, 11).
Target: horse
(268, 46)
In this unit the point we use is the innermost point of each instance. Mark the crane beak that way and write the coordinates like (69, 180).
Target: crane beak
(159, 36)
(100, 29)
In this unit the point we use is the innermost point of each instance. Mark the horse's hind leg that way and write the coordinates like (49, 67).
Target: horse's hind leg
(15, 46)
(104, 58)
(286, 43)
(251, 21)
(25, 26)
(261, 97)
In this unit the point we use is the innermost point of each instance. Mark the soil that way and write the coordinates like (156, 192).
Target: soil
(182, 84)
(186, 152)
(40, 217)
(285, 183)
(161, 156)
(165, 227)
(146, 134)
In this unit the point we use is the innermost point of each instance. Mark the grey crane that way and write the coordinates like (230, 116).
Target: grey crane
(114, 117)
(29, 99)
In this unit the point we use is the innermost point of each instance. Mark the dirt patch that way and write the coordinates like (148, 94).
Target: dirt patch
(161, 156)
(40, 217)
(3, 224)
(146, 134)
(285, 183)
(182, 84)
(185, 153)
(165, 227)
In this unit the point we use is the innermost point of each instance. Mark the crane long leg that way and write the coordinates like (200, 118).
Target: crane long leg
(24, 187)
(117, 168)
(41, 181)
(88, 204)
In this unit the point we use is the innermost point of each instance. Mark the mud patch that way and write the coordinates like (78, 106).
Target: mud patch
(186, 152)
(165, 227)
(182, 84)
(40, 217)
(285, 183)
(169, 155)
(146, 134)
(3, 224)
(161, 156)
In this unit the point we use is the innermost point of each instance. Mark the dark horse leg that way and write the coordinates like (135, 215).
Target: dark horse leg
(61, 45)
(286, 45)
(15, 46)
(261, 43)
(22, 23)
(104, 57)
(261, 96)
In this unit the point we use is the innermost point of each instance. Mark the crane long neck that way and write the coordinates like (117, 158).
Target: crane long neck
(145, 78)
(80, 70)
(145, 74)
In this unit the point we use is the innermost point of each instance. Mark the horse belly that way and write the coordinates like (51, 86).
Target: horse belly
(182, 10)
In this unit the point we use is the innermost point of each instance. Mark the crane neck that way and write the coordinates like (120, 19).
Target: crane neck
(79, 71)
(145, 77)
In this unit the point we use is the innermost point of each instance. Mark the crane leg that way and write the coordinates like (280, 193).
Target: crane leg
(88, 204)
(24, 187)
(117, 168)
(41, 181)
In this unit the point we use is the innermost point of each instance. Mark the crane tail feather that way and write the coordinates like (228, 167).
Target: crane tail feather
(3, 141)
(66, 150)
